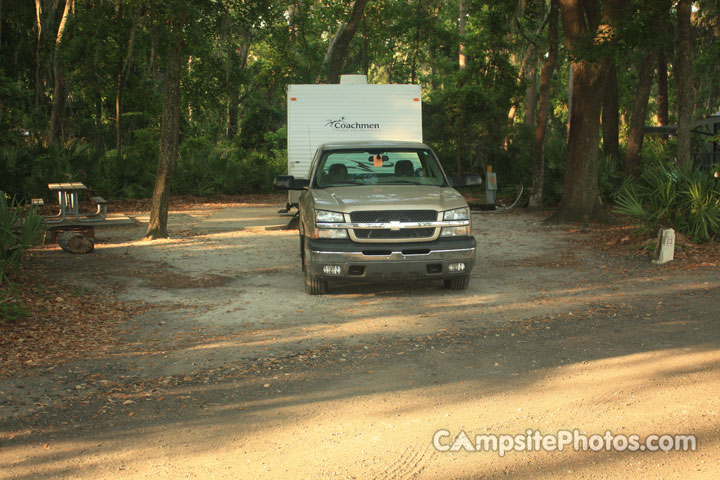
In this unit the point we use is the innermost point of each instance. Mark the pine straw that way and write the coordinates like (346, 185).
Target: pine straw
(64, 323)
(625, 240)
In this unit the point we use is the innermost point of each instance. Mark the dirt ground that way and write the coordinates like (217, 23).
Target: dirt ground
(214, 363)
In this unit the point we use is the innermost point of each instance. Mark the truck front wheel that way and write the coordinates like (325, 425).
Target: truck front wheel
(457, 283)
(314, 285)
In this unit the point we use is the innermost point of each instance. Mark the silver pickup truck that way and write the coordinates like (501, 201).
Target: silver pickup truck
(382, 211)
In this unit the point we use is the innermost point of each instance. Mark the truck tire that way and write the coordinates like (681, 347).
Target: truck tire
(302, 252)
(457, 283)
(314, 285)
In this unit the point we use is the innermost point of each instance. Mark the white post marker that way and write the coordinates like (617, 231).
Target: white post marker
(490, 186)
(665, 250)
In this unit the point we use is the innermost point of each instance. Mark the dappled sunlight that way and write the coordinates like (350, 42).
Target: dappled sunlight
(233, 365)
(355, 414)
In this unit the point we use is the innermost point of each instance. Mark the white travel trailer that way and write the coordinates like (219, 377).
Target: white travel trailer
(352, 110)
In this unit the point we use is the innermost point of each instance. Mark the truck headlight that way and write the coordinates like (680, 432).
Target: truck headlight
(457, 214)
(455, 231)
(331, 233)
(324, 216)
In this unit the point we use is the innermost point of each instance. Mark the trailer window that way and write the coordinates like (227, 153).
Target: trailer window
(415, 167)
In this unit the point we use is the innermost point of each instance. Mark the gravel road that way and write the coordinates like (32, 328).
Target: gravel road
(232, 371)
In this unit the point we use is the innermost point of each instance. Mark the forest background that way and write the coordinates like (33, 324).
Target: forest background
(553, 94)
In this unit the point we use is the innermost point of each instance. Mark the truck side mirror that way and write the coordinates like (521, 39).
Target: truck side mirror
(289, 182)
(466, 180)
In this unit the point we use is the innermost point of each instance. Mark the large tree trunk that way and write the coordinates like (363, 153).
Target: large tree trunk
(580, 20)
(296, 25)
(531, 90)
(662, 93)
(169, 133)
(684, 83)
(121, 79)
(462, 18)
(580, 189)
(611, 114)
(60, 91)
(536, 197)
(337, 51)
(638, 114)
(38, 27)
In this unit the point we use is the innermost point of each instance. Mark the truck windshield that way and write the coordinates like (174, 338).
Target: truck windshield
(394, 167)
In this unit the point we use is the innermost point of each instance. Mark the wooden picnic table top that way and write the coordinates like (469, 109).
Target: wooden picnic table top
(67, 186)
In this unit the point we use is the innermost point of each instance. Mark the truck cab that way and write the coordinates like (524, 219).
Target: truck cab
(382, 211)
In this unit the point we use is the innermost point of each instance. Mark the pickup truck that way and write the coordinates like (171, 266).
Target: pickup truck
(380, 211)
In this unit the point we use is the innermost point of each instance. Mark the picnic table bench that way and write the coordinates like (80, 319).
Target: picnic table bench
(68, 195)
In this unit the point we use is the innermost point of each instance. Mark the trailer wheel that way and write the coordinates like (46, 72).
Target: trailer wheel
(457, 283)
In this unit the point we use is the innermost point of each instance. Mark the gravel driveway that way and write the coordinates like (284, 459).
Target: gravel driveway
(232, 371)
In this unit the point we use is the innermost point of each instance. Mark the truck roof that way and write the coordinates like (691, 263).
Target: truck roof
(372, 144)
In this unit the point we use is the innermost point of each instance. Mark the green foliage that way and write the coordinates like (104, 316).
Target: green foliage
(610, 176)
(666, 196)
(240, 56)
(20, 228)
(205, 168)
(555, 152)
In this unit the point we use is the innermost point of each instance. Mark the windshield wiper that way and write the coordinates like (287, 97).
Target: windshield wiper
(342, 184)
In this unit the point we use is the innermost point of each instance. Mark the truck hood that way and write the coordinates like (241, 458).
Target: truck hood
(387, 197)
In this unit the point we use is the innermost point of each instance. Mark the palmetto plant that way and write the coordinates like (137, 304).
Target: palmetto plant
(666, 196)
(20, 228)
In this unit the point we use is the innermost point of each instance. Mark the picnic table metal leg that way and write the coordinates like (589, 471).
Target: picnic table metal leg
(60, 216)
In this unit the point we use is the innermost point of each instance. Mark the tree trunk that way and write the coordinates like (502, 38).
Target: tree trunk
(365, 55)
(611, 114)
(121, 79)
(531, 93)
(684, 83)
(296, 23)
(169, 133)
(580, 20)
(38, 26)
(337, 51)
(638, 114)
(60, 90)
(571, 87)
(416, 49)
(75, 242)
(536, 197)
(462, 17)
(662, 94)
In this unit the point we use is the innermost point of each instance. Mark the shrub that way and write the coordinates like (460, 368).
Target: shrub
(20, 228)
(667, 196)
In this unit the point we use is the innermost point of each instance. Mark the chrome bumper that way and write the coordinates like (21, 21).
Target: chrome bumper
(398, 261)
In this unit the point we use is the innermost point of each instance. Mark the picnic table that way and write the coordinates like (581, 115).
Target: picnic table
(68, 195)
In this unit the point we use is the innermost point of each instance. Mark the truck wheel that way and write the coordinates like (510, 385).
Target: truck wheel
(302, 252)
(457, 283)
(313, 284)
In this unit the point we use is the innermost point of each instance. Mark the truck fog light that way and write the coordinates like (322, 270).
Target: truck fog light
(332, 269)
(456, 267)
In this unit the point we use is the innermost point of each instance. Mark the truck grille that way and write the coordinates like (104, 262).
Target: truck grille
(381, 216)
(384, 234)
(374, 216)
